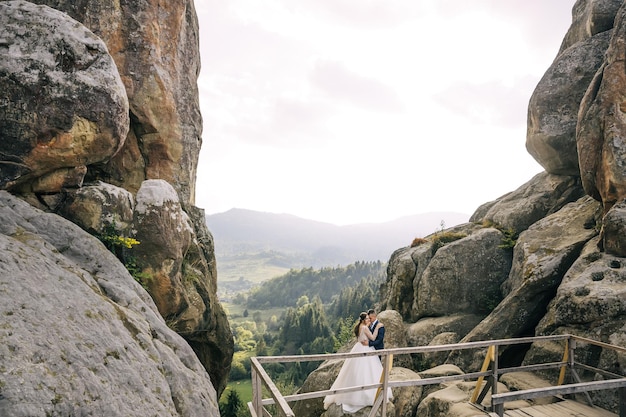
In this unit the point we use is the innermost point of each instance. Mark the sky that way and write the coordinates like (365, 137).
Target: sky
(365, 111)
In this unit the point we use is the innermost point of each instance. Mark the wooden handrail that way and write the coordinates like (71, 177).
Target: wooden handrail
(275, 393)
(260, 377)
(498, 400)
(600, 344)
(408, 350)
(558, 390)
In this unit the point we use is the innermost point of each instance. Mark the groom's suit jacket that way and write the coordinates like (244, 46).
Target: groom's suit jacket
(378, 343)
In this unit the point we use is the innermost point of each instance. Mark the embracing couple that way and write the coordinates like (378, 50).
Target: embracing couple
(370, 335)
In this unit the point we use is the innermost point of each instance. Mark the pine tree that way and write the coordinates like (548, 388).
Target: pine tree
(232, 406)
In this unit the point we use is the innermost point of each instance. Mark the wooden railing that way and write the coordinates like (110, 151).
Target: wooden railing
(489, 372)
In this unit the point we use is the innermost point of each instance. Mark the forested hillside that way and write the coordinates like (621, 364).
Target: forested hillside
(302, 312)
(325, 283)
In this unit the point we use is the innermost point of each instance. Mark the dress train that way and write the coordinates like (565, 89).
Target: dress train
(355, 372)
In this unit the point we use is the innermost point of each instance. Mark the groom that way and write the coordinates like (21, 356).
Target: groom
(377, 343)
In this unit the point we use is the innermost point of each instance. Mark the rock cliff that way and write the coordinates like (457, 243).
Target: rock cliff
(100, 125)
(547, 258)
(573, 211)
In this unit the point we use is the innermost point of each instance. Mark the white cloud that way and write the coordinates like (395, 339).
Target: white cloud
(339, 82)
(362, 111)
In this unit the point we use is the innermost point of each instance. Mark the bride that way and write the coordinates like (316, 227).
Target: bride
(358, 371)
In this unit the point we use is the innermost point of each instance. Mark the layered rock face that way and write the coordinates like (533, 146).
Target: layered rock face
(101, 125)
(155, 48)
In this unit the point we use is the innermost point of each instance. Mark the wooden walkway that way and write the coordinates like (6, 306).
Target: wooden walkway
(564, 408)
(569, 381)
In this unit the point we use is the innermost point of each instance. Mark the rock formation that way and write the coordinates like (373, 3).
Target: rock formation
(63, 105)
(101, 125)
(159, 66)
(78, 335)
(547, 258)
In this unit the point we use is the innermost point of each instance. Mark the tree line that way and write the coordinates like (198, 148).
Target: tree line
(325, 283)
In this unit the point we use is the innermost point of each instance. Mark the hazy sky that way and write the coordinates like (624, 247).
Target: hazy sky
(352, 111)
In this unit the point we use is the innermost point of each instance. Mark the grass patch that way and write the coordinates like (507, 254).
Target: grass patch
(243, 388)
(235, 312)
(255, 270)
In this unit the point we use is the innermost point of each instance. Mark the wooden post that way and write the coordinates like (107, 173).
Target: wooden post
(479, 382)
(622, 402)
(564, 359)
(385, 380)
(379, 399)
(257, 393)
(494, 388)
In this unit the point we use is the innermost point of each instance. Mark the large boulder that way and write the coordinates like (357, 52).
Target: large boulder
(465, 263)
(165, 233)
(553, 107)
(541, 256)
(159, 66)
(174, 254)
(97, 206)
(63, 104)
(404, 269)
(468, 272)
(438, 331)
(168, 258)
(590, 17)
(79, 336)
(544, 194)
(614, 230)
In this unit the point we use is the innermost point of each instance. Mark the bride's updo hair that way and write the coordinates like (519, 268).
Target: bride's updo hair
(362, 318)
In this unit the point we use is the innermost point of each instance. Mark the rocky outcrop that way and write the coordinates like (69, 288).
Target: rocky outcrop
(542, 255)
(78, 335)
(468, 271)
(63, 106)
(107, 134)
(553, 108)
(182, 282)
(159, 66)
(600, 133)
(566, 228)
(543, 195)
(590, 17)
(169, 260)
(554, 221)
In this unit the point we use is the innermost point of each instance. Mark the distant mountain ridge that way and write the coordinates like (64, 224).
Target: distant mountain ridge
(295, 242)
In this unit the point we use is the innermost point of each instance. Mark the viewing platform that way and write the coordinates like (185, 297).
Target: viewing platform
(564, 396)
(564, 408)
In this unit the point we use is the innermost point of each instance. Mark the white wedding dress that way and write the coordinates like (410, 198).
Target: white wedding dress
(355, 372)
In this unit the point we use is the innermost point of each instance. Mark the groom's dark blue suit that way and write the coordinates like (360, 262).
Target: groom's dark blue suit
(377, 343)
